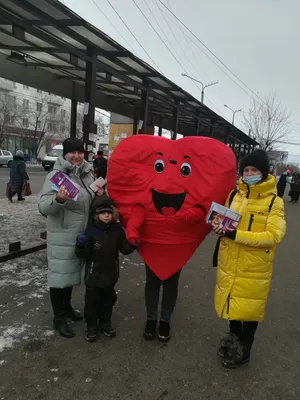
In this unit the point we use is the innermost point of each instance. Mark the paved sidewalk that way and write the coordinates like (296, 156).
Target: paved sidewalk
(37, 364)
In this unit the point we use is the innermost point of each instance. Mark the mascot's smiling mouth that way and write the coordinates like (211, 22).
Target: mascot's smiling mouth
(168, 204)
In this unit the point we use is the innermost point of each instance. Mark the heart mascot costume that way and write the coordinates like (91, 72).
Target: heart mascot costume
(163, 189)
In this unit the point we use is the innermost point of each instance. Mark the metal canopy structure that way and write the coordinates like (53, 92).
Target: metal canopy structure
(57, 51)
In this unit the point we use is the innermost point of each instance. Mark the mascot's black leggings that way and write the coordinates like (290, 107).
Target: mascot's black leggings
(169, 295)
(245, 331)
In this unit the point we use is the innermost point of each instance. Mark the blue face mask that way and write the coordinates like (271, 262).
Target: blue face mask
(252, 180)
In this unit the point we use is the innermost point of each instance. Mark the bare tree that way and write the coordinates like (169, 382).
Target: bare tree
(9, 112)
(268, 121)
(102, 126)
(45, 123)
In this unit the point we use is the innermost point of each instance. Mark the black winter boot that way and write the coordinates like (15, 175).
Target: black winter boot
(61, 322)
(238, 354)
(225, 343)
(91, 333)
(164, 331)
(63, 325)
(150, 329)
(73, 315)
(108, 329)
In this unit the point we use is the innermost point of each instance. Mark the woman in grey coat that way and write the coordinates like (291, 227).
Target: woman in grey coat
(66, 219)
(18, 176)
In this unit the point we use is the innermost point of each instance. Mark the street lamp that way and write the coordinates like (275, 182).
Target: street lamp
(203, 86)
(234, 112)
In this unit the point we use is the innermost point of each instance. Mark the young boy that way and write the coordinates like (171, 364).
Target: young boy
(100, 246)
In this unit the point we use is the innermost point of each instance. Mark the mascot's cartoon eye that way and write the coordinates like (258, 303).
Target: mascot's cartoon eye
(159, 166)
(185, 169)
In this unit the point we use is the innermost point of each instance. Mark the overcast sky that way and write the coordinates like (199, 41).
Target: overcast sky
(257, 39)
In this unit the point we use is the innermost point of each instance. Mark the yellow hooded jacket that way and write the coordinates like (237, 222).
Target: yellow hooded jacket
(244, 267)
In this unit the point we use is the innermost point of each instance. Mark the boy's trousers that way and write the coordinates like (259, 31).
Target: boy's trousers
(99, 303)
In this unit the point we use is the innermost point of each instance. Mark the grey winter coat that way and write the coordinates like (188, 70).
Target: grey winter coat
(17, 174)
(64, 223)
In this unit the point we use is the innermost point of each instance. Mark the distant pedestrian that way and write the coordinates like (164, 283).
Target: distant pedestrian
(245, 256)
(295, 188)
(18, 176)
(100, 165)
(66, 219)
(281, 185)
(100, 246)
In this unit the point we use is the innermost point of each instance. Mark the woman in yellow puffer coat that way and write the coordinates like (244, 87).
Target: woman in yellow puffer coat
(244, 257)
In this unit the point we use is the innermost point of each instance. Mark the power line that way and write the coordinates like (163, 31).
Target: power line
(114, 26)
(213, 54)
(177, 25)
(153, 27)
(109, 2)
(184, 35)
(196, 44)
(163, 41)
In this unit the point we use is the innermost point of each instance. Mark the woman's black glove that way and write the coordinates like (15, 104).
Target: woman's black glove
(230, 234)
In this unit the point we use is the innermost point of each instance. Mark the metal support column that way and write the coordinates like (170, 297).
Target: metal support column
(135, 123)
(159, 131)
(243, 151)
(144, 108)
(239, 152)
(175, 122)
(198, 125)
(233, 144)
(73, 125)
(89, 126)
(226, 135)
(212, 128)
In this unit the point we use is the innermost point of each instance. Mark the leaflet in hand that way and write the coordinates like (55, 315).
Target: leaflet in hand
(98, 184)
(223, 217)
(59, 179)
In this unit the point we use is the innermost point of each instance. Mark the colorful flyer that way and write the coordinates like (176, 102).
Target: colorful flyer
(59, 179)
(222, 217)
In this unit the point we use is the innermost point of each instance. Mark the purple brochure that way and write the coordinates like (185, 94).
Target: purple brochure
(60, 179)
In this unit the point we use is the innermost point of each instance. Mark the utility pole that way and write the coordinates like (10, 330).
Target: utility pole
(233, 111)
(203, 86)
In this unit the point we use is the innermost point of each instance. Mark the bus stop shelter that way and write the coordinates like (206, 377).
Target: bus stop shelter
(45, 45)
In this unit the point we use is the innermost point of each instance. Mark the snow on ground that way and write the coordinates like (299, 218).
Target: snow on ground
(23, 281)
(20, 221)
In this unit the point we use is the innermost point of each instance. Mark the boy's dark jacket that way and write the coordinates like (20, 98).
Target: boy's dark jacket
(101, 250)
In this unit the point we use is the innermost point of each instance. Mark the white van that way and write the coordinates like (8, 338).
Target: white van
(51, 157)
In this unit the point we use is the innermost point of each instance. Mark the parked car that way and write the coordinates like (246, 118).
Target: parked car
(51, 157)
(6, 158)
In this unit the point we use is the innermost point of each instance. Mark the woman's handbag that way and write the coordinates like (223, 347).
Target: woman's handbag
(8, 189)
(26, 190)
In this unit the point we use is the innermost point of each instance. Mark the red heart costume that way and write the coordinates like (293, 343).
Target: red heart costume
(163, 189)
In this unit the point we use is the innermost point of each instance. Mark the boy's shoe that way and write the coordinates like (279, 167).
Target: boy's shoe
(108, 330)
(21, 198)
(63, 326)
(74, 315)
(150, 329)
(238, 354)
(164, 331)
(91, 333)
(225, 344)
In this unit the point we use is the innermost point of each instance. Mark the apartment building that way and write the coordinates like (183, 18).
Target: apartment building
(32, 120)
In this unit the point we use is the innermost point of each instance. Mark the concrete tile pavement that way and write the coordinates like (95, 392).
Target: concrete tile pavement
(37, 364)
